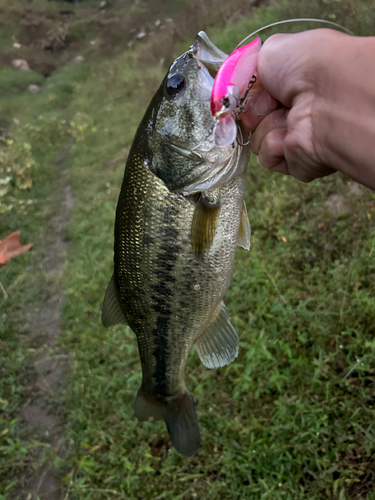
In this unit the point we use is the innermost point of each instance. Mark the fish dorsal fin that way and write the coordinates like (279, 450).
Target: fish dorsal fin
(218, 345)
(244, 231)
(204, 222)
(111, 313)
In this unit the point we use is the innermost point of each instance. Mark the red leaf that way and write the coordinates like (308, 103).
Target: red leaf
(11, 247)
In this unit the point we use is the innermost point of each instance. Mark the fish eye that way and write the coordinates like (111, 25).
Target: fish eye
(175, 84)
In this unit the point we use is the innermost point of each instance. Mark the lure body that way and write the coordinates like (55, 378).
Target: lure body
(229, 86)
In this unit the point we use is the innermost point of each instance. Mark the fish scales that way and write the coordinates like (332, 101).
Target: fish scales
(178, 221)
(167, 291)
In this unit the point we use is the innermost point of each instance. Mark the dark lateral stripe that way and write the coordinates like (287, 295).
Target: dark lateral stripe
(165, 261)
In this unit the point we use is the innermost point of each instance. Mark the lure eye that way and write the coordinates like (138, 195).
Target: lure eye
(229, 103)
(175, 84)
(226, 102)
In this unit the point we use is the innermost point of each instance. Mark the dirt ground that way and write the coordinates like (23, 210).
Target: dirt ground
(41, 412)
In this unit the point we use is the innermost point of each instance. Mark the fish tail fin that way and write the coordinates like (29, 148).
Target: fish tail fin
(179, 416)
(182, 424)
(146, 407)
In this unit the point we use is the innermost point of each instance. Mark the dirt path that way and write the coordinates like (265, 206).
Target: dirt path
(41, 413)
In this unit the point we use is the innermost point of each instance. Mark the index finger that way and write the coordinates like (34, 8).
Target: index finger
(259, 106)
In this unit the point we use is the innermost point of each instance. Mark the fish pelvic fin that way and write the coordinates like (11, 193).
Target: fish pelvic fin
(218, 344)
(244, 231)
(179, 416)
(111, 311)
(204, 223)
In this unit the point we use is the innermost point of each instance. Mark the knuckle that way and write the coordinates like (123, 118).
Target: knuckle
(270, 141)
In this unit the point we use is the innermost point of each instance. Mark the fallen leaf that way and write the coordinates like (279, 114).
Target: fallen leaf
(11, 247)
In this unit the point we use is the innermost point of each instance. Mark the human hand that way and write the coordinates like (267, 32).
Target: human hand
(324, 82)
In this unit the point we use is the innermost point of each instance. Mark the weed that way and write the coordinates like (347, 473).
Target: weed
(292, 417)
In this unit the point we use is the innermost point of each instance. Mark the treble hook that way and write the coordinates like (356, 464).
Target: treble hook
(240, 131)
(241, 109)
(250, 85)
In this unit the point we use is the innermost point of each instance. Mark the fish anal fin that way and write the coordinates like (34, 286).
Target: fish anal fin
(111, 311)
(244, 231)
(179, 415)
(204, 223)
(218, 345)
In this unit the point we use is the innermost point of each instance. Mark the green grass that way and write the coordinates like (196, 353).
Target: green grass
(293, 416)
(15, 82)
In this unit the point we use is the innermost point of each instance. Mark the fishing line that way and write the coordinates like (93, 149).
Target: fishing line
(301, 19)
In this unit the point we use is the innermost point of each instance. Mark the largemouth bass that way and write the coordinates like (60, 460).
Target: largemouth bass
(180, 215)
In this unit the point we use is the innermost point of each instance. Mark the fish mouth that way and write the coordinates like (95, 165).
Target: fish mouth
(212, 167)
(209, 59)
(207, 53)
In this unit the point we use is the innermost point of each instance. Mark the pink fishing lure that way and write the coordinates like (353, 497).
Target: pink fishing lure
(229, 87)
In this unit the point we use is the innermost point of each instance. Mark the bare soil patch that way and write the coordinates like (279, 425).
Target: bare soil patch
(41, 413)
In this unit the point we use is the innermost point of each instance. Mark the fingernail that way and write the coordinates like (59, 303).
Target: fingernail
(263, 105)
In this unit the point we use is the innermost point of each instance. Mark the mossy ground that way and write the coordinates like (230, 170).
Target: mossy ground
(293, 416)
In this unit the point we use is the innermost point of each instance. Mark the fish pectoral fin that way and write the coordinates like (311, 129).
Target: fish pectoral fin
(204, 223)
(218, 345)
(244, 231)
(111, 311)
(180, 418)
